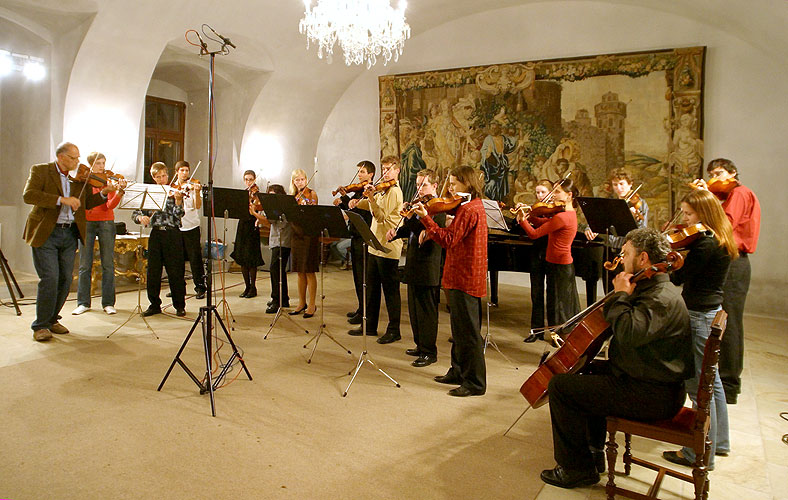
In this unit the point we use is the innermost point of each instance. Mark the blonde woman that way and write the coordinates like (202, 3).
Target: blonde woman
(305, 249)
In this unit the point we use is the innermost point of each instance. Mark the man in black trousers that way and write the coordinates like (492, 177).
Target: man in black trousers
(649, 358)
(422, 275)
(366, 172)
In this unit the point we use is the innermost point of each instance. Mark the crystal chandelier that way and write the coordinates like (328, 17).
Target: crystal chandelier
(365, 29)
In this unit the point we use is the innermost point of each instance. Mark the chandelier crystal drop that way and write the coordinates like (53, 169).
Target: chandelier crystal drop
(364, 29)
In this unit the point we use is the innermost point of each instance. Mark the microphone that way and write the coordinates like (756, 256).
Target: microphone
(203, 45)
(224, 39)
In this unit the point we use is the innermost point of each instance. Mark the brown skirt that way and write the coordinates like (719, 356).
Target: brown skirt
(305, 254)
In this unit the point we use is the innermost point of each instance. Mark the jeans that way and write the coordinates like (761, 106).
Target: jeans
(105, 230)
(339, 249)
(54, 262)
(700, 323)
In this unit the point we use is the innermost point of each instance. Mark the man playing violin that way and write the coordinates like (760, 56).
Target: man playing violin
(190, 224)
(54, 226)
(649, 357)
(100, 224)
(366, 172)
(165, 246)
(384, 204)
(422, 274)
(744, 211)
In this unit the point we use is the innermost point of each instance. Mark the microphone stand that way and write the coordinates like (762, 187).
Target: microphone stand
(209, 312)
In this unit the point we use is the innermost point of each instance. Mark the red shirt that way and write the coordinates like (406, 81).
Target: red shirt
(103, 211)
(560, 230)
(465, 241)
(744, 212)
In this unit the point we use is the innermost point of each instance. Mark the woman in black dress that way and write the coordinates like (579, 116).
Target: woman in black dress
(305, 249)
(247, 251)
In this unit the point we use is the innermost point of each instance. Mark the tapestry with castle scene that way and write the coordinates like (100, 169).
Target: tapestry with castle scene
(639, 111)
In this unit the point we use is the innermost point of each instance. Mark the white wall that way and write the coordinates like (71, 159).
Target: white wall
(745, 101)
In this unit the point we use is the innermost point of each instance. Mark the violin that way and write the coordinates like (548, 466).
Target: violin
(447, 205)
(682, 236)
(95, 179)
(350, 188)
(380, 187)
(634, 200)
(303, 197)
(254, 201)
(719, 188)
(540, 209)
(589, 331)
(410, 207)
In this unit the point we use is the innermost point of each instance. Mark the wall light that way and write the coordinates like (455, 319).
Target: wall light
(32, 67)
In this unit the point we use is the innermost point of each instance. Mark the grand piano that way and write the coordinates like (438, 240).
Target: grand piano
(511, 251)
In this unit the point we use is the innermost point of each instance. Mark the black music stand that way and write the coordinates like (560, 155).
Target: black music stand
(280, 208)
(326, 221)
(610, 217)
(369, 240)
(231, 200)
(8, 276)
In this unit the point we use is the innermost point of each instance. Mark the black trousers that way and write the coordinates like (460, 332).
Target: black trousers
(735, 289)
(382, 274)
(357, 264)
(279, 258)
(193, 254)
(423, 311)
(165, 248)
(467, 351)
(562, 299)
(580, 403)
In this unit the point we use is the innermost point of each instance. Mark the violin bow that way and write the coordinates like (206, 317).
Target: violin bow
(300, 193)
(632, 193)
(90, 171)
(415, 195)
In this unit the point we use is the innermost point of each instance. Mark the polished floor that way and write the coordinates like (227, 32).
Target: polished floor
(82, 417)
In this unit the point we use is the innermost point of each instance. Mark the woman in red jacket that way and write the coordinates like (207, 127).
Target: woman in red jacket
(101, 224)
(562, 299)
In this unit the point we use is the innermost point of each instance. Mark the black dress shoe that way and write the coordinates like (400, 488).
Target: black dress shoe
(356, 332)
(388, 338)
(423, 361)
(151, 311)
(533, 337)
(169, 294)
(674, 457)
(309, 315)
(244, 293)
(353, 313)
(270, 302)
(413, 352)
(565, 478)
(272, 309)
(297, 312)
(180, 313)
(200, 294)
(464, 392)
(251, 293)
(355, 320)
(448, 379)
(599, 461)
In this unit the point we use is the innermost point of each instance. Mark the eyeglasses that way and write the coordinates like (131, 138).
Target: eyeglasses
(75, 158)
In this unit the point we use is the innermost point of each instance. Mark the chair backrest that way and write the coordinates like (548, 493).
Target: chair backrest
(711, 354)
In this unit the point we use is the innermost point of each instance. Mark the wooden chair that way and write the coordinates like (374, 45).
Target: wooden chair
(690, 427)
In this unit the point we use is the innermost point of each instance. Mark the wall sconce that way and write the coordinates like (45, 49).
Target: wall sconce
(32, 67)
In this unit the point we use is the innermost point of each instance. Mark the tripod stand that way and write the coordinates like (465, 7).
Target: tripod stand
(226, 311)
(322, 330)
(7, 273)
(488, 340)
(209, 311)
(368, 238)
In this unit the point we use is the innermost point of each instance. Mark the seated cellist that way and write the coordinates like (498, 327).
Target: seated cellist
(650, 356)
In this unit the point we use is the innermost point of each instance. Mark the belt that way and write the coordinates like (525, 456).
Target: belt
(64, 225)
(163, 228)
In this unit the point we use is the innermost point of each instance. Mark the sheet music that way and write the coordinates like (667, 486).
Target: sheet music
(144, 196)
(495, 218)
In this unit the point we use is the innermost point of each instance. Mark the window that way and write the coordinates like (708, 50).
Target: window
(164, 128)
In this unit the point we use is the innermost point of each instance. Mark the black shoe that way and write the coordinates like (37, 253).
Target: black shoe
(270, 302)
(464, 392)
(451, 340)
(297, 312)
(180, 313)
(674, 457)
(534, 337)
(413, 352)
(251, 293)
(353, 313)
(355, 320)
(356, 332)
(565, 478)
(309, 315)
(244, 293)
(200, 294)
(447, 379)
(151, 311)
(169, 294)
(599, 461)
(272, 308)
(423, 361)
(388, 338)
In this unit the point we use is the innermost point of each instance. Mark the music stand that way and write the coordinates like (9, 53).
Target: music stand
(281, 208)
(369, 240)
(8, 276)
(610, 217)
(327, 221)
(143, 197)
(495, 220)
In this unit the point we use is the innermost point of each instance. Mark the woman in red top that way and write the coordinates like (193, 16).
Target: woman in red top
(465, 280)
(562, 299)
(101, 224)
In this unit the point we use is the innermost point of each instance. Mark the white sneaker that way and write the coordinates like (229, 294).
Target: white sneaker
(110, 310)
(79, 310)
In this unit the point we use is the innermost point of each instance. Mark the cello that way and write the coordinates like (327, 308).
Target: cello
(588, 331)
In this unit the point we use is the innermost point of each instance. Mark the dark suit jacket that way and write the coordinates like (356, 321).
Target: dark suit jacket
(423, 265)
(42, 191)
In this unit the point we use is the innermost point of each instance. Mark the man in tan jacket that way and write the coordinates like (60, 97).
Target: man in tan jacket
(52, 228)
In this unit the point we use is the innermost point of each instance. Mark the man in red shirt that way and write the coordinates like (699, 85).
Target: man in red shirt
(744, 211)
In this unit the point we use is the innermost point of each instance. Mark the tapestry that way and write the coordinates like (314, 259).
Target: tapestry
(639, 111)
